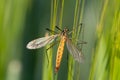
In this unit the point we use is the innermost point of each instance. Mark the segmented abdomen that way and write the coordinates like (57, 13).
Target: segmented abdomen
(60, 52)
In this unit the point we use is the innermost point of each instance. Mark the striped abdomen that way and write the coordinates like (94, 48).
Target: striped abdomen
(60, 52)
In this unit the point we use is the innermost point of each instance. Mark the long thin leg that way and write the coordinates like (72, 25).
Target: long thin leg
(82, 42)
(70, 32)
(49, 48)
(80, 26)
(52, 45)
(58, 28)
(51, 31)
(76, 28)
(82, 36)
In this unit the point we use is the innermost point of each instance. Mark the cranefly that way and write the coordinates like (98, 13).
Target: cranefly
(41, 42)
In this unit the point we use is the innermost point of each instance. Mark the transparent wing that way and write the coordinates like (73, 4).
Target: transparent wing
(41, 42)
(74, 51)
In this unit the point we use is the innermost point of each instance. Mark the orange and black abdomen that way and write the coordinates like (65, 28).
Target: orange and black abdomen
(60, 53)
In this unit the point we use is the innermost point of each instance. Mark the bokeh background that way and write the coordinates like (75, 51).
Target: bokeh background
(24, 20)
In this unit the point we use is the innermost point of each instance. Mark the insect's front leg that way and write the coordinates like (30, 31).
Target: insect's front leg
(51, 31)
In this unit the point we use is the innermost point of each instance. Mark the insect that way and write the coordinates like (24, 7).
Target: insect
(73, 50)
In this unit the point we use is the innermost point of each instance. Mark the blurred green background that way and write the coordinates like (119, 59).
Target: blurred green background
(24, 20)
